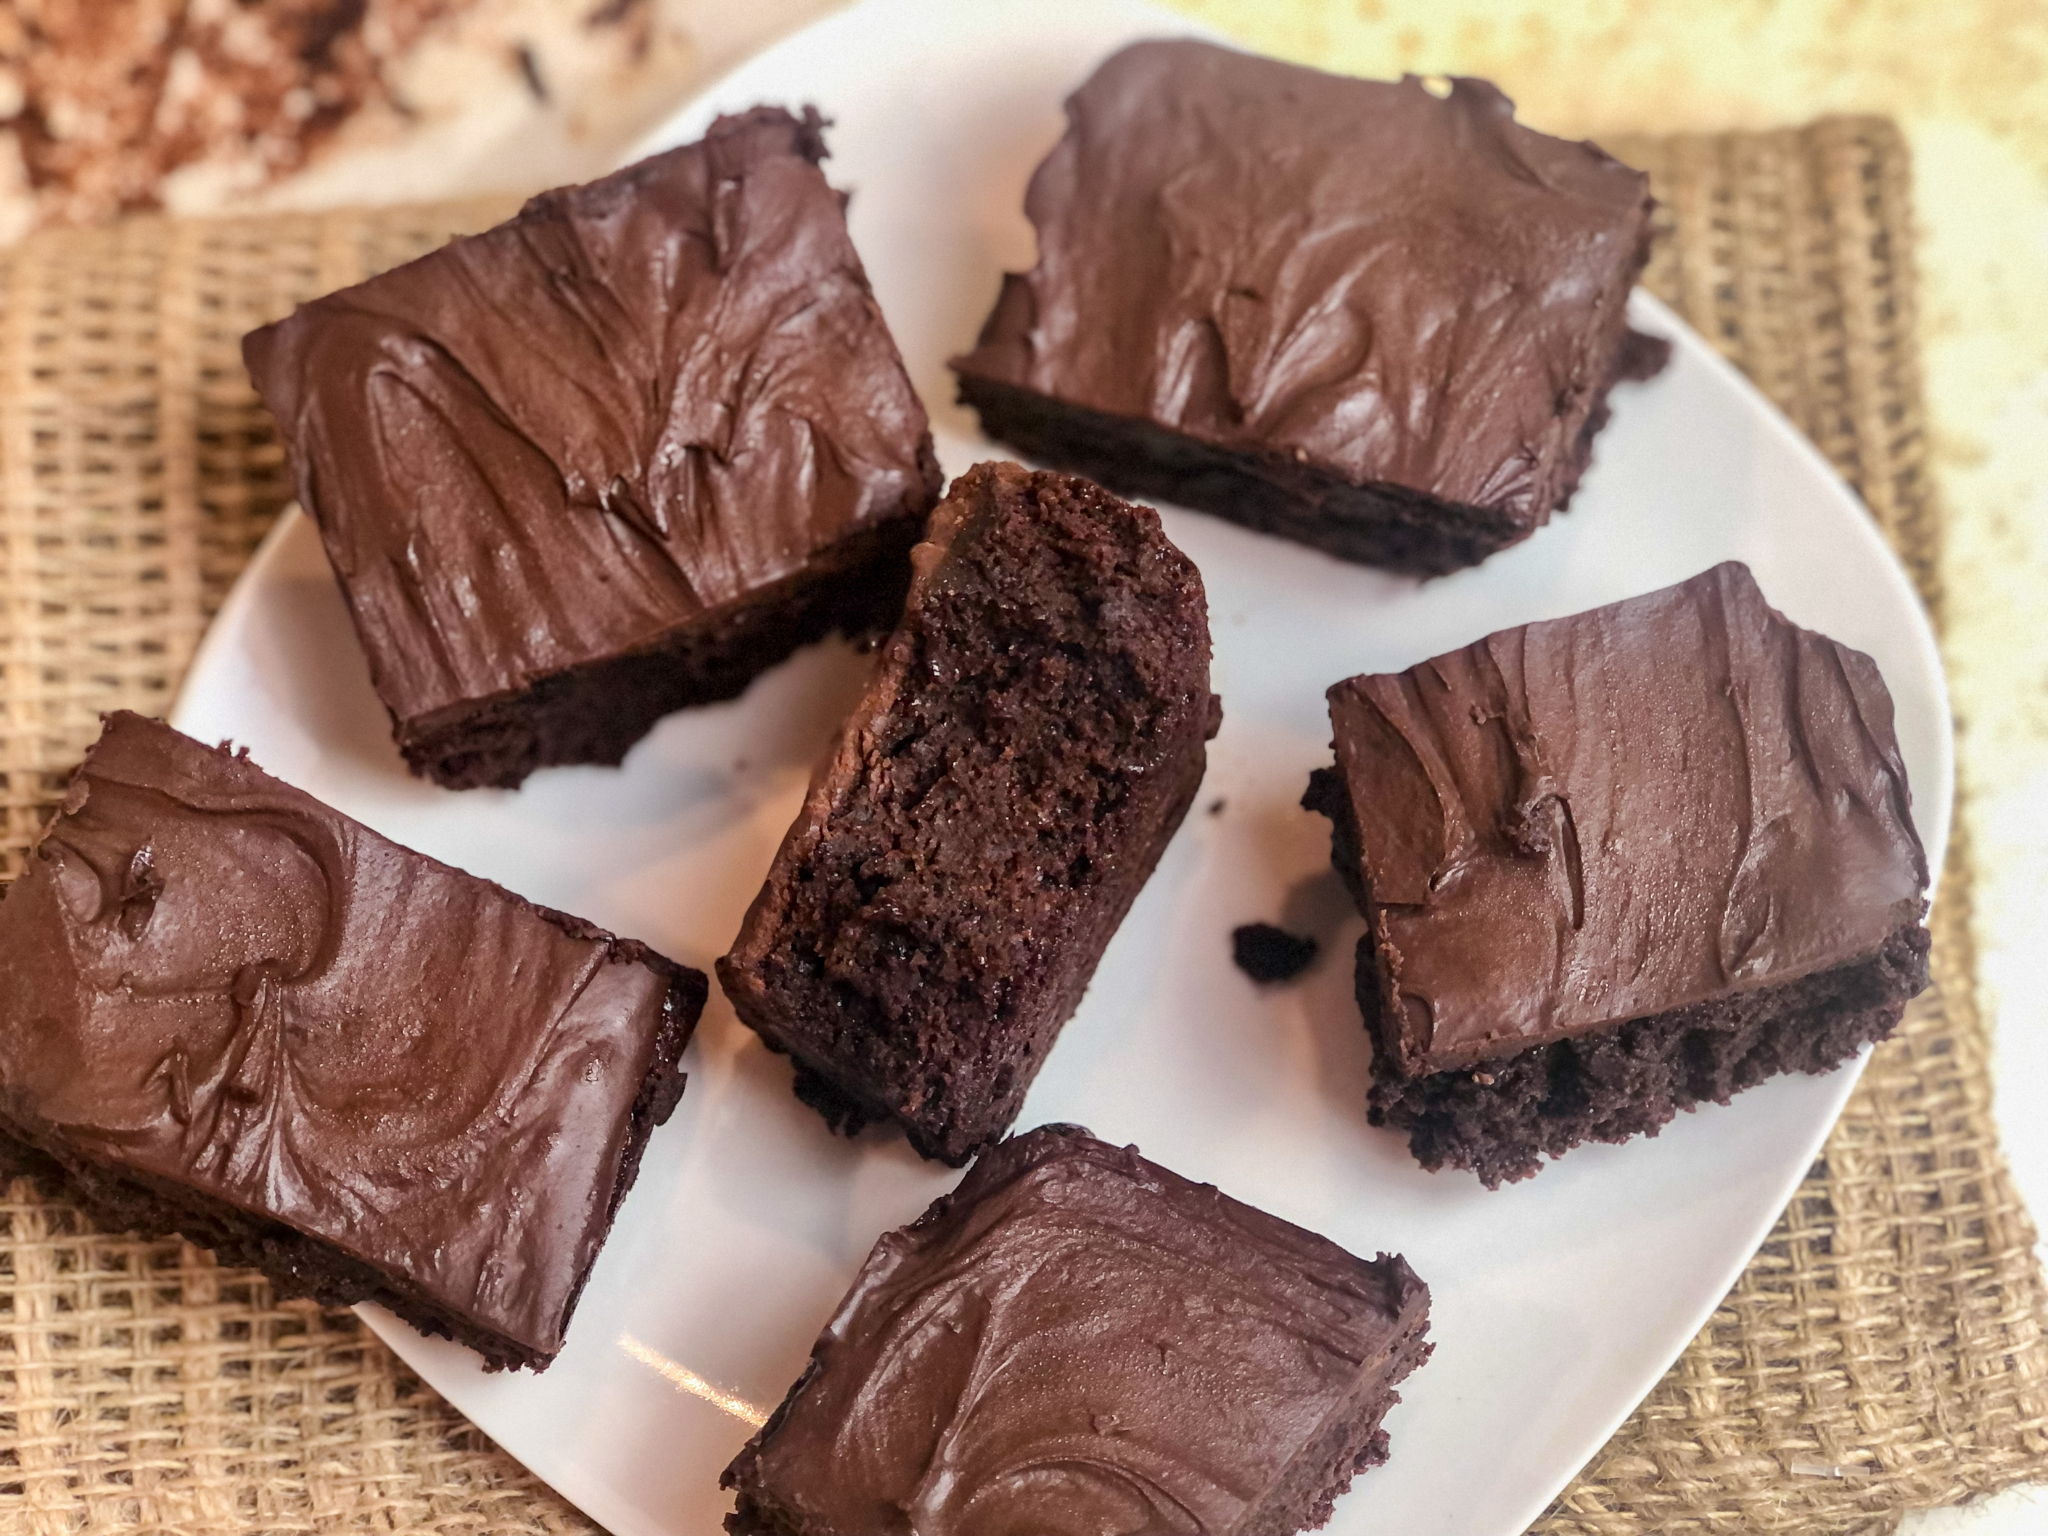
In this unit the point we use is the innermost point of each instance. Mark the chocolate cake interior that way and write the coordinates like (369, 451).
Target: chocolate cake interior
(1032, 741)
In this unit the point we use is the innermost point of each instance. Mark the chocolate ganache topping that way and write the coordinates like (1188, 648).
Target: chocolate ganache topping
(1397, 287)
(1076, 1342)
(210, 981)
(1590, 820)
(634, 404)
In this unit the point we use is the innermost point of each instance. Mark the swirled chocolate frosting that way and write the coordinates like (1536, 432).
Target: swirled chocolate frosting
(636, 404)
(1366, 278)
(1563, 826)
(217, 991)
(1076, 1342)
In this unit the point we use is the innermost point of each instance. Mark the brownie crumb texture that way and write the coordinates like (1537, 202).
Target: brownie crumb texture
(1502, 1118)
(1032, 740)
(1266, 953)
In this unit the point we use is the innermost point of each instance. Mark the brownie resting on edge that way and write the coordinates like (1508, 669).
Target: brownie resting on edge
(611, 458)
(1077, 1341)
(1342, 311)
(230, 1012)
(1619, 865)
(985, 818)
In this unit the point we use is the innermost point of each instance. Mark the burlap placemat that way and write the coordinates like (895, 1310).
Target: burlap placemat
(1884, 1350)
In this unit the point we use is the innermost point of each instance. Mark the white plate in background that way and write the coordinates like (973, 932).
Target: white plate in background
(1558, 1302)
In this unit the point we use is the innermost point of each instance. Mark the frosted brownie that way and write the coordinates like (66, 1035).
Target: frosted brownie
(611, 458)
(1362, 315)
(1078, 1340)
(228, 1011)
(1618, 865)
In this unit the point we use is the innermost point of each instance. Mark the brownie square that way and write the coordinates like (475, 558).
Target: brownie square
(610, 458)
(230, 1012)
(1619, 865)
(1374, 319)
(986, 816)
(1078, 1340)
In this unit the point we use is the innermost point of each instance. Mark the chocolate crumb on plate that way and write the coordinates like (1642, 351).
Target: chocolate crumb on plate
(1266, 953)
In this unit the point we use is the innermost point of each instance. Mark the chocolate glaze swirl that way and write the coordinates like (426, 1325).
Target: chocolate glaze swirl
(1603, 817)
(635, 403)
(1401, 288)
(1077, 1342)
(210, 980)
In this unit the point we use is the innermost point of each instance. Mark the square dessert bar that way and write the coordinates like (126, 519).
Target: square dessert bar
(610, 458)
(230, 1012)
(1360, 315)
(986, 816)
(1618, 865)
(1078, 1340)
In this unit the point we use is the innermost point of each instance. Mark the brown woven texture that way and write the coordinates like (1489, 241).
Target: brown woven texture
(1884, 1350)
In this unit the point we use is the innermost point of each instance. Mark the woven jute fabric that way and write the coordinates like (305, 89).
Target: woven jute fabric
(1884, 1350)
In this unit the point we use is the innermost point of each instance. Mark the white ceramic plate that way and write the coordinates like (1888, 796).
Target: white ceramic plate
(1558, 1301)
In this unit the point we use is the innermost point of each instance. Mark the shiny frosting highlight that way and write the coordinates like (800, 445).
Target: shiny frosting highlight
(210, 980)
(1598, 818)
(1075, 1342)
(637, 402)
(1401, 288)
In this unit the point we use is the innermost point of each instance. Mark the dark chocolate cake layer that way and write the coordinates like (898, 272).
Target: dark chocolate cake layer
(1077, 1341)
(1352, 313)
(985, 818)
(1619, 864)
(612, 457)
(1500, 1118)
(229, 1011)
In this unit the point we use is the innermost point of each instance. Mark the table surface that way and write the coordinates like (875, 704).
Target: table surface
(1968, 81)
